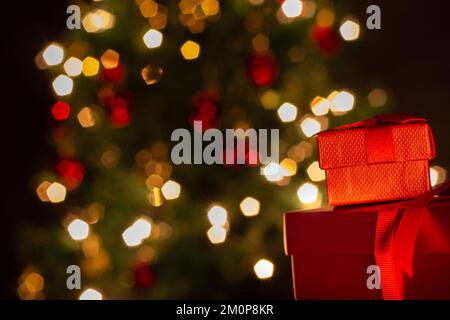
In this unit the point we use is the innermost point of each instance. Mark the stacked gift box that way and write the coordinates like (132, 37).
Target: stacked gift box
(386, 234)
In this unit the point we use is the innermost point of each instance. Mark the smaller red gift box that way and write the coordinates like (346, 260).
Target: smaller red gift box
(409, 241)
(380, 159)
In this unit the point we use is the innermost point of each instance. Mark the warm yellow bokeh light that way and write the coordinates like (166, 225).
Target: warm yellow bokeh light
(56, 192)
(263, 269)
(53, 54)
(217, 234)
(289, 167)
(41, 191)
(349, 30)
(78, 229)
(73, 67)
(217, 216)
(287, 112)
(90, 66)
(148, 8)
(110, 59)
(91, 294)
(308, 193)
(153, 38)
(320, 106)
(260, 43)
(171, 190)
(98, 20)
(292, 8)
(190, 50)
(315, 173)
(438, 175)
(249, 207)
(341, 102)
(62, 85)
(270, 99)
(310, 126)
(34, 282)
(377, 98)
(86, 117)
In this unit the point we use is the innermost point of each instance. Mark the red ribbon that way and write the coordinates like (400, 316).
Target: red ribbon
(384, 119)
(379, 140)
(394, 251)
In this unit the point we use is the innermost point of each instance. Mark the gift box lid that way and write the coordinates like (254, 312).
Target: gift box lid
(383, 139)
(351, 229)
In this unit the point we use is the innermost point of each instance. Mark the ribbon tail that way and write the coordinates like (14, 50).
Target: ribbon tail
(391, 283)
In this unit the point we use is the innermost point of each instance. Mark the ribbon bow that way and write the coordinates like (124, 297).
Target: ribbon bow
(394, 251)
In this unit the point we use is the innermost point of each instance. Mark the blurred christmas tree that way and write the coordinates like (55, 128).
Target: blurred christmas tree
(141, 227)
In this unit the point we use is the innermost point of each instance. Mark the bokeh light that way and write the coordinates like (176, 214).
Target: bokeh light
(190, 50)
(53, 54)
(249, 207)
(62, 85)
(78, 229)
(153, 38)
(91, 294)
(287, 112)
(263, 269)
(308, 193)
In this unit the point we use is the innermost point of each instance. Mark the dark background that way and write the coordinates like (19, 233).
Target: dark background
(409, 55)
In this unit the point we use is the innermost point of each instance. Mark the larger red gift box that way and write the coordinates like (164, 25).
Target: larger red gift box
(409, 241)
(380, 159)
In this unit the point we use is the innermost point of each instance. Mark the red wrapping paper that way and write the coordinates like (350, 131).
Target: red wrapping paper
(380, 159)
(331, 249)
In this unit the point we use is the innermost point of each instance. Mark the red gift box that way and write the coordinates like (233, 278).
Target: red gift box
(380, 159)
(409, 241)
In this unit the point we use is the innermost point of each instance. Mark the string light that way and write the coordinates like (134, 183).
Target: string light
(308, 193)
(73, 67)
(190, 50)
(91, 294)
(62, 85)
(292, 8)
(53, 54)
(287, 112)
(217, 216)
(249, 207)
(263, 269)
(171, 190)
(153, 38)
(78, 229)
(349, 30)
(56, 192)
